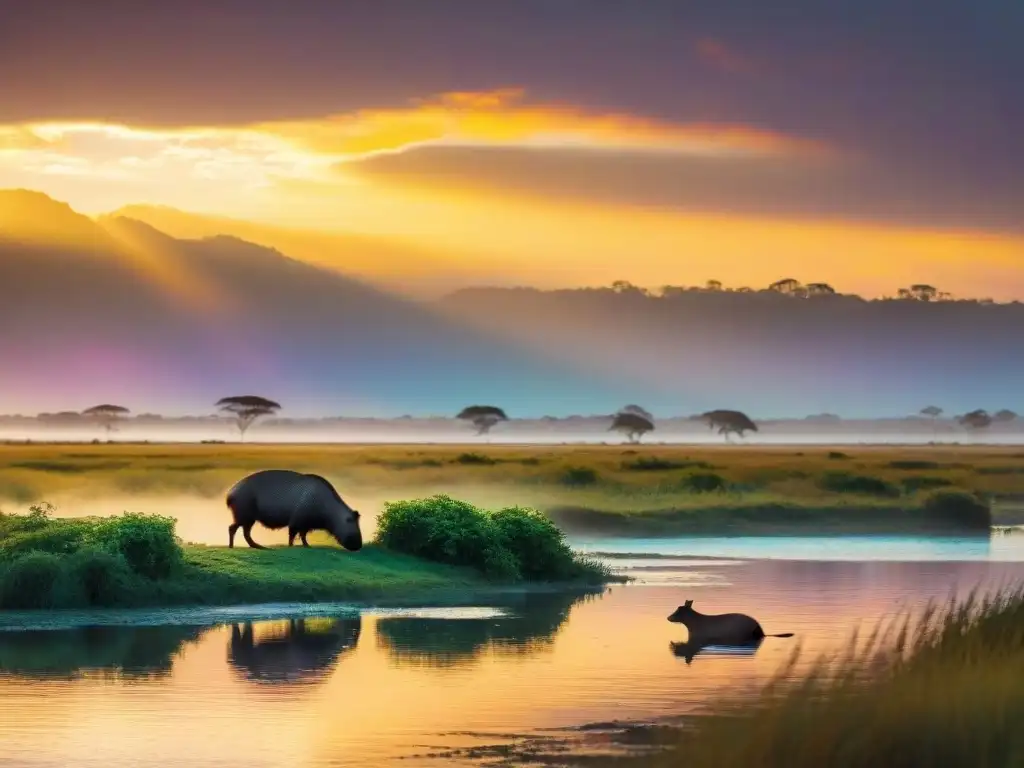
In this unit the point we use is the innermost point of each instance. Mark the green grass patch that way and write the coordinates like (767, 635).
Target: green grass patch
(136, 560)
(847, 482)
(656, 464)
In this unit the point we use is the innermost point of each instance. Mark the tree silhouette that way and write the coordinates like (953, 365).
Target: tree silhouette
(483, 417)
(931, 411)
(923, 292)
(820, 289)
(1004, 416)
(633, 425)
(919, 292)
(729, 421)
(978, 419)
(624, 286)
(713, 285)
(246, 409)
(107, 415)
(637, 411)
(787, 285)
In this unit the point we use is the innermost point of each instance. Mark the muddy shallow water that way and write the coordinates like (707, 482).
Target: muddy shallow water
(369, 686)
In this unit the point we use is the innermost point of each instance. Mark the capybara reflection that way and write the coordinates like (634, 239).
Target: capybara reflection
(688, 650)
(305, 650)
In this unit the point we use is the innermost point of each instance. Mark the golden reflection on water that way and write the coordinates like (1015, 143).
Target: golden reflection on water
(362, 690)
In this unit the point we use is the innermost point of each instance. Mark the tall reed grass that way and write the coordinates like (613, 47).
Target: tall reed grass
(940, 687)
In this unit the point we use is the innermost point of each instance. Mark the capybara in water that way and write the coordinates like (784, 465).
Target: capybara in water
(723, 628)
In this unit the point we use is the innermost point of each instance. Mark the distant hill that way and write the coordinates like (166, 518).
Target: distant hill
(119, 311)
(392, 264)
(770, 353)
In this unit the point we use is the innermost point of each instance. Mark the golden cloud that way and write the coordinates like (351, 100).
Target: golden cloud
(234, 170)
(502, 118)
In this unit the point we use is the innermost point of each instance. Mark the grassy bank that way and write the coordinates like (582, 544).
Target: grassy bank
(939, 690)
(427, 546)
(615, 489)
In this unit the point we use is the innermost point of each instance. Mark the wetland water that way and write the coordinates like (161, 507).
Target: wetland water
(370, 686)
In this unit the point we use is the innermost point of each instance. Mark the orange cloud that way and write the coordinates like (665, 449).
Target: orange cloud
(236, 170)
(502, 118)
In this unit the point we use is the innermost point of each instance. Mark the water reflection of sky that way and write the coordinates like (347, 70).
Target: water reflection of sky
(998, 547)
(370, 686)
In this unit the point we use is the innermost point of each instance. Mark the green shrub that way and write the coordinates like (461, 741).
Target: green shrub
(924, 482)
(579, 476)
(446, 530)
(38, 517)
(913, 464)
(654, 464)
(958, 508)
(845, 482)
(512, 543)
(837, 455)
(59, 538)
(30, 581)
(537, 544)
(704, 482)
(147, 542)
(100, 576)
(475, 458)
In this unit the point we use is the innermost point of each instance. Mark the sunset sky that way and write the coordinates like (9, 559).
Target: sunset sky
(557, 142)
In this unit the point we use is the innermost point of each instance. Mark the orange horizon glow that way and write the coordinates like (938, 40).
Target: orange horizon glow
(299, 186)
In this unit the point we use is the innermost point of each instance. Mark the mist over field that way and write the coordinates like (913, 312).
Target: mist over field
(582, 430)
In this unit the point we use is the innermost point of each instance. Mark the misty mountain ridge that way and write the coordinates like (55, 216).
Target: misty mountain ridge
(154, 319)
(770, 352)
(150, 319)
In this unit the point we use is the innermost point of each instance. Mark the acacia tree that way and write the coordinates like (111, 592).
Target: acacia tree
(729, 421)
(787, 285)
(483, 417)
(820, 289)
(1004, 416)
(246, 409)
(107, 415)
(638, 411)
(931, 411)
(978, 419)
(633, 425)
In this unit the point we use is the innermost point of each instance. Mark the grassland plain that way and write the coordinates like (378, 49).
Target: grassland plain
(630, 490)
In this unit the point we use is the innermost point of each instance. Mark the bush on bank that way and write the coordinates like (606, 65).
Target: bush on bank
(48, 562)
(133, 559)
(513, 543)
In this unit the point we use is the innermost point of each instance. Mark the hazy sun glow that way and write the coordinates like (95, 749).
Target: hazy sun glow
(307, 175)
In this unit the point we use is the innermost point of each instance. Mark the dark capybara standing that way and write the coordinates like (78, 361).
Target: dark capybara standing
(281, 498)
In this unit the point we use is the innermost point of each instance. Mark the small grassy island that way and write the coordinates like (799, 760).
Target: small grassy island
(423, 547)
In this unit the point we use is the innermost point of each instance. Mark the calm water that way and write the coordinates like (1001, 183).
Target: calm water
(369, 686)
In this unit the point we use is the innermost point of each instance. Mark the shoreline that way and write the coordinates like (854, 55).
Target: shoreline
(502, 597)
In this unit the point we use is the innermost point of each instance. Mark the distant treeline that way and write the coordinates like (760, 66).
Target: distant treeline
(71, 418)
(920, 293)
